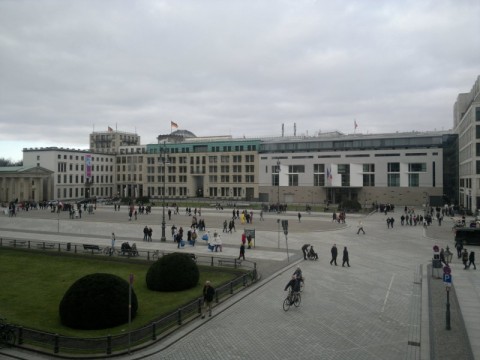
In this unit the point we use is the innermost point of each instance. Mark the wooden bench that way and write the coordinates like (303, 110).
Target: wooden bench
(92, 248)
(233, 262)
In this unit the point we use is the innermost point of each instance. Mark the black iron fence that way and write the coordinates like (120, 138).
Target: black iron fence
(100, 347)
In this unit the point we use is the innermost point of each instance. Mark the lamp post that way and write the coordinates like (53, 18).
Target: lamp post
(164, 161)
(278, 187)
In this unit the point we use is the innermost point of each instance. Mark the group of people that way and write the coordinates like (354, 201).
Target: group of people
(468, 259)
(311, 254)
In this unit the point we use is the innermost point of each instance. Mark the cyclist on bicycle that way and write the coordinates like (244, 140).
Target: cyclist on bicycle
(294, 285)
(298, 274)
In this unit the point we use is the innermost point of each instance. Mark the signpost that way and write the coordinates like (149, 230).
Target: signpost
(285, 231)
(447, 280)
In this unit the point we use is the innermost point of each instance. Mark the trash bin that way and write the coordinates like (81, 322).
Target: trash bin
(69, 245)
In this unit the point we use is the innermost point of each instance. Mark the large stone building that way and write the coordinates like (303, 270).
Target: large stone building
(412, 168)
(466, 114)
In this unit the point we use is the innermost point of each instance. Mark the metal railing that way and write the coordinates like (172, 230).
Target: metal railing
(105, 346)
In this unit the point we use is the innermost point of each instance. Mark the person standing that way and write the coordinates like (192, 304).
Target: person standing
(113, 244)
(242, 251)
(345, 257)
(360, 228)
(334, 252)
(304, 250)
(145, 233)
(459, 247)
(299, 217)
(208, 294)
(471, 260)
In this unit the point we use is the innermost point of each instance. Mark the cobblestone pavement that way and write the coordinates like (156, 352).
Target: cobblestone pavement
(357, 312)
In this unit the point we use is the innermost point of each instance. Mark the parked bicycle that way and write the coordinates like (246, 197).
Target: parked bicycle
(293, 298)
(109, 250)
(7, 334)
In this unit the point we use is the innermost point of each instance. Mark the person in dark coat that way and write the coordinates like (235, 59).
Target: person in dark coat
(304, 250)
(345, 257)
(471, 260)
(242, 252)
(334, 252)
(208, 294)
(465, 258)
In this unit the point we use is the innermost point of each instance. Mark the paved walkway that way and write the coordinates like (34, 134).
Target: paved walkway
(359, 312)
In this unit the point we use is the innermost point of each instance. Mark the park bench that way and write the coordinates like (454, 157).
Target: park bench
(233, 262)
(92, 248)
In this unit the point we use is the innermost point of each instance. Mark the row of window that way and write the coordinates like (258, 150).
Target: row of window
(393, 180)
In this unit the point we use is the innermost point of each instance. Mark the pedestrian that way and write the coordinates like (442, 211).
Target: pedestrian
(360, 228)
(345, 257)
(261, 215)
(242, 252)
(299, 217)
(145, 233)
(304, 250)
(150, 233)
(113, 244)
(208, 294)
(465, 258)
(459, 247)
(471, 260)
(334, 252)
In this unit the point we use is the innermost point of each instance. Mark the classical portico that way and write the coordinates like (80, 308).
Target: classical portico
(32, 183)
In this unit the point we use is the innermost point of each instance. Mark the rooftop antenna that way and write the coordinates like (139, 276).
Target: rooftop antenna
(283, 129)
(294, 129)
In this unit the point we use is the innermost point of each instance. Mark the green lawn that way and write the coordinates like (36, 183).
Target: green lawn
(32, 285)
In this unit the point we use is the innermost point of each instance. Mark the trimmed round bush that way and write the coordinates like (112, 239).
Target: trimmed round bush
(173, 272)
(97, 301)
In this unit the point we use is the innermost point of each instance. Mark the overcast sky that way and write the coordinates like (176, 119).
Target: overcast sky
(230, 67)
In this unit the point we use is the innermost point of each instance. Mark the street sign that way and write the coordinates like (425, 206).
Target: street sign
(447, 270)
(447, 280)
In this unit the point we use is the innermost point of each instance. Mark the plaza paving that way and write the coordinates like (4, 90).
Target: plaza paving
(361, 312)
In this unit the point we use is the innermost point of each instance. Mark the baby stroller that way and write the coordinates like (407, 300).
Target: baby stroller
(312, 255)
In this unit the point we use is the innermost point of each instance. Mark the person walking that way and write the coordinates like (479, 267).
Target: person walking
(459, 247)
(360, 228)
(345, 257)
(471, 260)
(334, 252)
(208, 294)
(242, 251)
(465, 258)
(304, 250)
(299, 217)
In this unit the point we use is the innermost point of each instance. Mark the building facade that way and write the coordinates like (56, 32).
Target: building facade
(401, 168)
(75, 174)
(466, 114)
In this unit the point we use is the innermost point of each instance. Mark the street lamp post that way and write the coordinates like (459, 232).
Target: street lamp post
(164, 161)
(278, 187)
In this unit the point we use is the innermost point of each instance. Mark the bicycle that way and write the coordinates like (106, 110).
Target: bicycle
(293, 298)
(110, 250)
(7, 334)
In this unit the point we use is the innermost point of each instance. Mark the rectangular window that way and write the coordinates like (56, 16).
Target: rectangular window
(368, 180)
(318, 179)
(394, 167)
(413, 180)
(275, 179)
(417, 167)
(368, 168)
(393, 180)
(296, 169)
(318, 168)
(293, 180)
(477, 131)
